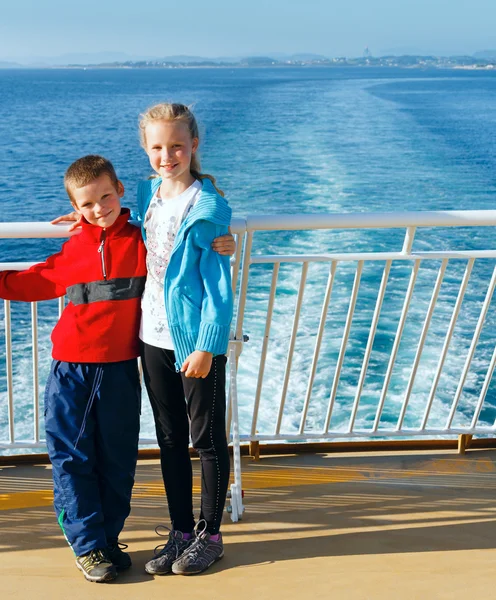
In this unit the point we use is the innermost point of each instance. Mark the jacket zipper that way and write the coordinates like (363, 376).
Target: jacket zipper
(176, 245)
(102, 254)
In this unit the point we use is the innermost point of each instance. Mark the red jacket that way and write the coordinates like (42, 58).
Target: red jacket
(103, 273)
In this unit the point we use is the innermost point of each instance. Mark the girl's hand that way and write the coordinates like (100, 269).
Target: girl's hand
(73, 217)
(197, 364)
(224, 245)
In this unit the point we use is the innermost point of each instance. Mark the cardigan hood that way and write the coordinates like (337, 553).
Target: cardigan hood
(211, 206)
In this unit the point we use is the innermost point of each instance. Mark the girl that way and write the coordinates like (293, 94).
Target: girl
(185, 324)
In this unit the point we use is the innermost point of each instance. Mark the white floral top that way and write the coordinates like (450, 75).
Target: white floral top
(162, 222)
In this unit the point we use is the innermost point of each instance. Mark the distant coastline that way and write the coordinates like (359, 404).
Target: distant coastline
(481, 61)
(406, 62)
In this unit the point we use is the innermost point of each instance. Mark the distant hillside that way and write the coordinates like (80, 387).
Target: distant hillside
(9, 65)
(307, 57)
(185, 59)
(76, 58)
(485, 59)
(487, 54)
(254, 61)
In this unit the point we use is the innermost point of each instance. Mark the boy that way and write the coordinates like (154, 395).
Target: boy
(93, 394)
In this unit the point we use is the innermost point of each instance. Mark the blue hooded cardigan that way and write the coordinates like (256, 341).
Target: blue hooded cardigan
(197, 285)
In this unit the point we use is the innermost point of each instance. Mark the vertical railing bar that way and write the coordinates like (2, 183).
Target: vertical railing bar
(8, 368)
(318, 343)
(240, 312)
(344, 343)
(261, 369)
(61, 305)
(237, 263)
(447, 341)
(244, 284)
(292, 342)
(370, 343)
(34, 342)
(234, 283)
(423, 336)
(483, 393)
(408, 241)
(236, 487)
(473, 344)
(229, 414)
(396, 344)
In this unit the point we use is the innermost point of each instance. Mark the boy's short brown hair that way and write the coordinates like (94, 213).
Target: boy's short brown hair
(85, 170)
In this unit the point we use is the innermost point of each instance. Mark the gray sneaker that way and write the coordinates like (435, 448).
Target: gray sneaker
(96, 566)
(166, 554)
(200, 555)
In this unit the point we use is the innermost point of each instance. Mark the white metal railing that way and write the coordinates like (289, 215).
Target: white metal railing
(410, 222)
(299, 414)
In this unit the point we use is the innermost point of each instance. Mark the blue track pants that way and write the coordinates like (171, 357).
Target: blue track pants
(92, 413)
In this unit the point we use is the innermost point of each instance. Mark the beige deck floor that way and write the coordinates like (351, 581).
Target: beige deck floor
(402, 526)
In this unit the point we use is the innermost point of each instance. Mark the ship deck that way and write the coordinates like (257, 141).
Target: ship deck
(352, 526)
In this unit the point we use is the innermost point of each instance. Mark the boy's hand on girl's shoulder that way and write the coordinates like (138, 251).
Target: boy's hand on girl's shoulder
(73, 217)
(197, 364)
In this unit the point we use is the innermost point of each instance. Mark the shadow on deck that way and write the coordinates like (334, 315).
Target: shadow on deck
(416, 525)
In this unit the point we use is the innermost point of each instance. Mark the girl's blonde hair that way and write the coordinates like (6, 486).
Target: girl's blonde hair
(176, 112)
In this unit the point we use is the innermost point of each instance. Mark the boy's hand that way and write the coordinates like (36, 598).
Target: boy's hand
(73, 217)
(224, 244)
(197, 364)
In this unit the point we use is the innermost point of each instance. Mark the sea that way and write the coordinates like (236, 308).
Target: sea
(284, 140)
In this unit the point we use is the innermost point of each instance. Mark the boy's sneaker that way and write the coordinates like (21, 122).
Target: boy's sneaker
(161, 563)
(200, 555)
(121, 560)
(96, 566)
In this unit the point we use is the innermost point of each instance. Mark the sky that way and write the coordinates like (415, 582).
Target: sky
(33, 29)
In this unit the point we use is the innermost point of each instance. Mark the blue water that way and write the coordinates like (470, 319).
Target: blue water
(284, 140)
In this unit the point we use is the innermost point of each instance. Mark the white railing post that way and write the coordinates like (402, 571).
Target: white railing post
(344, 342)
(370, 343)
(408, 242)
(36, 399)
(8, 368)
(240, 312)
(447, 340)
(396, 344)
(265, 344)
(318, 343)
(475, 339)
(292, 342)
(236, 490)
(485, 387)
(421, 343)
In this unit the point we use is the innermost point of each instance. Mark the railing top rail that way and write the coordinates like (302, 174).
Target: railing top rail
(238, 225)
(28, 229)
(367, 256)
(32, 229)
(374, 220)
(266, 222)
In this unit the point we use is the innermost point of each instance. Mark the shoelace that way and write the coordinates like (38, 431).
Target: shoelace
(95, 558)
(196, 548)
(171, 542)
(116, 545)
(200, 542)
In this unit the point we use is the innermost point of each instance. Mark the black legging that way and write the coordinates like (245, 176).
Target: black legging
(206, 408)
